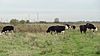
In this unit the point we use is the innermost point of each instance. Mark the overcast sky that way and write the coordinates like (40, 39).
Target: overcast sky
(47, 10)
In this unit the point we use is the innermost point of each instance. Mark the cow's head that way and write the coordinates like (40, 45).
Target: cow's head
(95, 29)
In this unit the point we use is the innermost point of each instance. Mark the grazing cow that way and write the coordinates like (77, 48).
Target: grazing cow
(7, 29)
(73, 27)
(57, 29)
(69, 26)
(83, 28)
(91, 26)
(87, 26)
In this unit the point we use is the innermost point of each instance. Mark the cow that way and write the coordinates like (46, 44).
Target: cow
(57, 29)
(69, 26)
(73, 27)
(7, 29)
(83, 28)
(91, 27)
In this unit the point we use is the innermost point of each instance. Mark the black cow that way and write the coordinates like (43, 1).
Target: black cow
(7, 29)
(83, 28)
(87, 26)
(57, 29)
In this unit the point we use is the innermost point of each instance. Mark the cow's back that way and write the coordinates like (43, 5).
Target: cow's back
(56, 29)
(51, 28)
(90, 26)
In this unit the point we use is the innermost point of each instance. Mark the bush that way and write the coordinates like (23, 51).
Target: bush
(27, 21)
(22, 22)
(14, 21)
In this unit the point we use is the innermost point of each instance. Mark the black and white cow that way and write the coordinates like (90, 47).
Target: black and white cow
(91, 27)
(7, 29)
(57, 29)
(73, 27)
(69, 26)
(83, 28)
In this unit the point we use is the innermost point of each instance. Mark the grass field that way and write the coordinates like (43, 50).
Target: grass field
(71, 43)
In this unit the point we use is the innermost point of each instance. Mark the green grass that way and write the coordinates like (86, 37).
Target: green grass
(71, 43)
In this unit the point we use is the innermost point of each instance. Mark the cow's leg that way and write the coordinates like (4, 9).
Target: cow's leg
(93, 30)
(12, 31)
(5, 32)
(85, 31)
(51, 32)
(63, 32)
(81, 31)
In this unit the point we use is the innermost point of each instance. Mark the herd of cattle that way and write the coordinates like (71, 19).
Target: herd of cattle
(58, 28)
(83, 28)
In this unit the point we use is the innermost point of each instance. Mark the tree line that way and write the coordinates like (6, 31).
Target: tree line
(15, 21)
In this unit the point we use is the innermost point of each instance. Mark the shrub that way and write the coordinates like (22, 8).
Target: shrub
(14, 21)
(22, 22)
